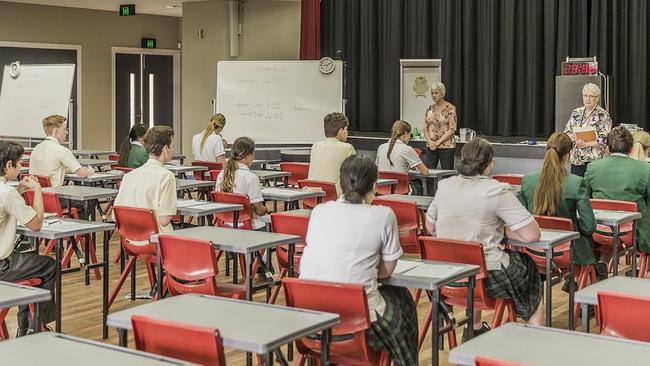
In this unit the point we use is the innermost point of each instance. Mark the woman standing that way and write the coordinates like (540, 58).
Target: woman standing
(209, 145)
(439, 128)
(591, 116)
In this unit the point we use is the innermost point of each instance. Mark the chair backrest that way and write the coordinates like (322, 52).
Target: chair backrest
(191, 261)
(350, 304)
(615, 205)
(51, 202)
(458, 251)
(192, 343)
(402, 186)
(225, 219)
(514, 179)
(122, 168)
(561, 252)
(136, 225)
(286, 223)
(407, 221)
(328, 187)
(214, 173)
(211, 165)
(624, 316)
(299, 171)
(489, 361)
(113, 157)
(44, 181)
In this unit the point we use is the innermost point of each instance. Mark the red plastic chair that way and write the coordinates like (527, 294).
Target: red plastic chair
(122, 168)
(624, 316)
(402, 186)
(191, 267)
(214, 173)
(489, 361)
(113, 157)
(43, 180)
(192, 343)
(286, 223)
(52, 204)
(457, 251)
(4, 332)
(299, 171)
(418, 151)
(350, 304)
(603, 237)
(135, 225)
(328, 187)
(407, 221)
(513, 179)
(211, 165)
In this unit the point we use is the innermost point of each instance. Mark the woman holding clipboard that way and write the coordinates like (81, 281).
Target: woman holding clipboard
(588, 127)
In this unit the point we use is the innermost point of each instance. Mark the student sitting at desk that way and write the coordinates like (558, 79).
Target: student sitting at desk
(351, 241)
(132, 152)
(209, 145)
(152, 186)
(397, 156)
(14, 265)
(555, 192)
(50, 158)
(236, 177)
(619, 177)
(326, 156)
(641, 147)
(474, 207)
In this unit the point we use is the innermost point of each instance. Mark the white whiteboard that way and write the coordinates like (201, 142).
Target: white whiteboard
(277, 101)
(37, 92)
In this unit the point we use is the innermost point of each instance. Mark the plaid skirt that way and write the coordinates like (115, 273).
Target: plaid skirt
(396, 332)
(520, 282)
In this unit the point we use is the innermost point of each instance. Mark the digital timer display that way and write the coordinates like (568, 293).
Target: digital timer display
(579, 68)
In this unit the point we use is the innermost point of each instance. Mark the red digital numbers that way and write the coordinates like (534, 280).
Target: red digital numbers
(579, 68)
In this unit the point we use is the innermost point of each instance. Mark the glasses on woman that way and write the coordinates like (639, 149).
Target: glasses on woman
(589, 96)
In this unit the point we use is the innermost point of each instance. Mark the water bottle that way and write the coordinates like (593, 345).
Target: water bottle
(415, 133)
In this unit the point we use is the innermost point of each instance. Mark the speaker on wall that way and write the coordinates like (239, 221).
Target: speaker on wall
(234, 27)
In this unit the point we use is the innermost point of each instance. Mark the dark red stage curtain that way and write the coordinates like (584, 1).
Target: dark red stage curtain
(310, 30)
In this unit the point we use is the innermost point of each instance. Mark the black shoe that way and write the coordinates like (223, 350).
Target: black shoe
(565, 287)
(477, 332)
(21, 332)
(601, 271)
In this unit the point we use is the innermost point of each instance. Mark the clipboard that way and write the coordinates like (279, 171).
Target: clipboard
(587, 134)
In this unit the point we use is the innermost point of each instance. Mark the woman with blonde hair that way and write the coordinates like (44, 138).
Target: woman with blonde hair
(439, 129)
(554, 192)
(209, 145)
(641, 146)
(397, 156)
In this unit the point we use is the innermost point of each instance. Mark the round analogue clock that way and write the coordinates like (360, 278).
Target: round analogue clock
(326, 65)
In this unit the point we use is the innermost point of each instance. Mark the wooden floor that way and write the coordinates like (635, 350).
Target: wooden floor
(82, 309)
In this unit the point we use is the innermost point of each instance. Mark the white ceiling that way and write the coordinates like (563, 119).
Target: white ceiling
(158, 7)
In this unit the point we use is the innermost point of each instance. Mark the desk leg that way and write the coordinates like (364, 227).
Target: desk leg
(634, 236)
(86, 259)
(435, 327)
(159, 275)
(584, 307)
(326, 334)
(571, 285)
(291, 253)
(469, 311)
(57, 294)
(271, 282)
(123, 339)
(615, 242)
(249, 274)
(107, 238)
(549, 260)
(268, 359)
(37, 316)
(424, 186)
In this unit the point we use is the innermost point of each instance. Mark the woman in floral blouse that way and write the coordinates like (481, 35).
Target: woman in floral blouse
(440, 125)
(591, 115)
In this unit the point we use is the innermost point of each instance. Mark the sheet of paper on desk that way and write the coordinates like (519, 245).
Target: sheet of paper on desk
(190, 203)
(550, 235)
(63, 226)
(403, 266)
(276, 191)
(432, 271)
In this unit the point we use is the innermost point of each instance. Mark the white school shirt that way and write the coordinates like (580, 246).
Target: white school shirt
(12, 210)
(326, 158)
(212, 148)
(51, 159)
(248, 183)
(345, 243)
(403, 157)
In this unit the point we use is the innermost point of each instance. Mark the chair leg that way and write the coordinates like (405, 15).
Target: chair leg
(67, 256)
(512, 315)
(497, 318)
(643, 263)
(276, 289)
(416, 296)
(120, 281)
(4, 332)
(92, 253)
(49, 247)
(424, 328)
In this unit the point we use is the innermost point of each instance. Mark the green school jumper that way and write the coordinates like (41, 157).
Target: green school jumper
(137, 156)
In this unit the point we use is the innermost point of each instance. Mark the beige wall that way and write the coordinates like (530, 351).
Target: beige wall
(96, 32)
(271, 32)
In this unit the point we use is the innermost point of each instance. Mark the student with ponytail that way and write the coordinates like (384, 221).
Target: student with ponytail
(554, 192)
(397, 156)
(351, 241)
(209, 145)
(641, 146)
(132, 152)
(236, 177)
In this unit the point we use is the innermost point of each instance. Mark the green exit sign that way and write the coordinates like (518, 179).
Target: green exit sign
(148, 43)
(126, 10)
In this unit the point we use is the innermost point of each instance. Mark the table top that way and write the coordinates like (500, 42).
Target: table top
(270, 174)
(234, 240)
(623, 285)
(433, 173)
(386, 182)
(96, 162)
(243, 325)
(90, 153)
(428, 275)
(57, 228)
(82, 193)
(541, 346)
(54, 349)
(198, 208)
(289, 194)
(549, 239)
(111, 175)
(177, 169)
(12, 294)
(178, 157)
(422, 202)
(615, 218)
(192, 183)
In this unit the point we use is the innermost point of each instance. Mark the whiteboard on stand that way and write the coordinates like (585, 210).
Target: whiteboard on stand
(277, 101)
(416, 77)
(35, 93)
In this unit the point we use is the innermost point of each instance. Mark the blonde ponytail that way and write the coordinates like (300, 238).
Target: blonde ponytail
(399, 129)
(215, 125)
(241, 148)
